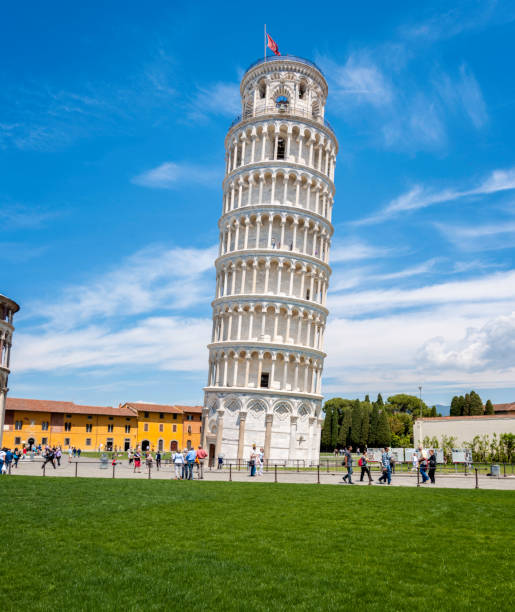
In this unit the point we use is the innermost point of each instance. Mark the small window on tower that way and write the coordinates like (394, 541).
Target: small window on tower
(262, 90)
(302, 90)
(265, 376)
(280, 148)
(307, 294)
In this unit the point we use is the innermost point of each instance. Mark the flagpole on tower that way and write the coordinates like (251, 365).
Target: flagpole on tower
(265, 42)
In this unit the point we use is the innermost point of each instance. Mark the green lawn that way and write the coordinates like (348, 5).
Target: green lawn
(87, 544)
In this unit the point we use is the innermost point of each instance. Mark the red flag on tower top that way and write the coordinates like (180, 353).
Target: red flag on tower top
(271, 44)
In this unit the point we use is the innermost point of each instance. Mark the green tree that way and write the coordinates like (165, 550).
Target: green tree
(374, 422)
(325, 436)
(334, 428)
(466, 405)
(384, 435)
(366, 409)
(475, 404)
(355, 428)
(344, 435)
(455, 409)
(489, 407)
(407, 403)
(379, 400)
(367, 399)
(433, 411)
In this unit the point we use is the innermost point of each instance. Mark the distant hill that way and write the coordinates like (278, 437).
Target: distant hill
(443, 410)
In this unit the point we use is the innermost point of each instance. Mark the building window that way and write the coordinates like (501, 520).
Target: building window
(302, 90)
(18, 425)
(146, 415)
(89, 427)
(174, 428)
(44, 425)
(189, 417)
(265, 376)
(174, 417)
(67, 426)
(307, 294)
(189, 429)
(161, 427)
(67, 441)
(127, 429)
(68, 416)
(127, 418)
(89, 416)
(88, 441)
(109, 444)
(17, 440)
(110, 428)
(145, 427)
(44, 441)
(262, 90)
(161, 416)
(111, 418)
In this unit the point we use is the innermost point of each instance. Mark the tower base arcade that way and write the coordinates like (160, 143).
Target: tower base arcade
(286, 426)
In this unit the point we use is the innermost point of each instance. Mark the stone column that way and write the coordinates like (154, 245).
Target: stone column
(241, 435)
(205, 412)
(268, 434)
(293, 438)
(219, 431)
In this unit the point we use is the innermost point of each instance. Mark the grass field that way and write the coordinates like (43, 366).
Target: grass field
(87, 544)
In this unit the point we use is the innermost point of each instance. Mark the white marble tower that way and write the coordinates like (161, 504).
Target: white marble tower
(7, 310)
(272, 274)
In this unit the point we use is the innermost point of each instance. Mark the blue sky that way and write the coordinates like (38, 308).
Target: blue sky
(112, 125)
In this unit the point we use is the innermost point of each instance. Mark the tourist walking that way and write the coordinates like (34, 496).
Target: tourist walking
(424, 463)
(158, 460)
(16, 457)
(385, 466)
(363, 463)
(220, 462)
(432, 465)
(201, 456)
(58, 454)
(70, 454)
(130, 456)
(347, 462)
(392, 463)
(261, 456)
(178, 462)
(49, 458)
(2, 461)
(137, 461)
(191, 455)
(414, 462)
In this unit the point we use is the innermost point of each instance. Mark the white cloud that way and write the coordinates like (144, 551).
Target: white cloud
(421, 197)
(491, 346)
(169, 175)
(354, 250)
(151, 279)
(219, 99)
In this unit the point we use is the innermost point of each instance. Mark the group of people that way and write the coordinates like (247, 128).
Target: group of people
(8, 459)
(256, 461)
(421, 461)
(185, 461)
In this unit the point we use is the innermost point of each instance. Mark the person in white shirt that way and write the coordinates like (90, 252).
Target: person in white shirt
(414, 460)
(70, 454)
(178, 461)
(261, 461)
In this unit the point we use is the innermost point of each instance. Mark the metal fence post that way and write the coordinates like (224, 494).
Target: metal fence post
(149, 471)
(298, 465)
(318, 473)
(44, 468)
(114, 466)
(504, 469)
(75, 469)
(9, 468)
(230, 472)
(201, 470)
(327, 464)
(418, 477)
(477, 481)
(275, 472)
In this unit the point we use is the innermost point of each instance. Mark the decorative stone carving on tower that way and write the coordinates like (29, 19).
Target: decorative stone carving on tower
(272, 273)
(7, 310)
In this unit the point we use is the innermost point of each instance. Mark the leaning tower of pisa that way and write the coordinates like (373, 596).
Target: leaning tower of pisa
(272, 273)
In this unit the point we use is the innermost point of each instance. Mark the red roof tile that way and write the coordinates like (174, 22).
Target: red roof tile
(33, 405)
(194, 409)
(142, 407)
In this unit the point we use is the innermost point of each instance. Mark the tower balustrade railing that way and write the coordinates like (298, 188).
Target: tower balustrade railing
(284, 110)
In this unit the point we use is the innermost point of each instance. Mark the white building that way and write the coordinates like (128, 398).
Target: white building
(462, 428)
(8, 308)
(266, 353)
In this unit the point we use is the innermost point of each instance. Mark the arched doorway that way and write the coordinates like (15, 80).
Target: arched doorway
(173, 445)
(31, 442)
(145, 445)
(160, 445)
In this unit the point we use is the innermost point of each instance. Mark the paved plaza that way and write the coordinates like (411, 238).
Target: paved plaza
(91, 468)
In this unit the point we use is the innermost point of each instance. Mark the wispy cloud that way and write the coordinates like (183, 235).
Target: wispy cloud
(19, 252)
(20, 216)
(421, 197)
(355, 250)
(170, 175)
(465, 93)
(219, 99)
(484, 237)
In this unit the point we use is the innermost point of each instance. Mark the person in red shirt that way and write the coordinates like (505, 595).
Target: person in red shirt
(201, 456)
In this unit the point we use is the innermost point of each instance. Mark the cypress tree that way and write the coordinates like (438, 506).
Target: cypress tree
(379, 400)
(334, 428)
(476, 404)
(355, 428)
(455, 406)
(325, 437)
(344, 437)
(367, 399)
(374, 422)
(384, 434)
(489, 407)
(466, 405)
(365, 425)
(433, 411)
